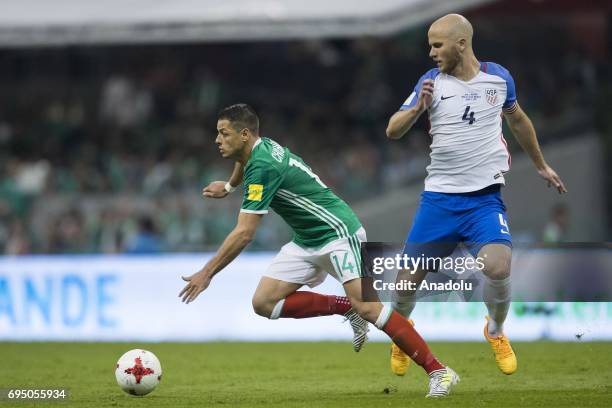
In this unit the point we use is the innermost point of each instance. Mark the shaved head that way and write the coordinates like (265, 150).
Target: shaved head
(453, 27)
(450, 38)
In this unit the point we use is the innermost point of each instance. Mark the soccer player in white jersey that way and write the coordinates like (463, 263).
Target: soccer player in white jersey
(465, 100)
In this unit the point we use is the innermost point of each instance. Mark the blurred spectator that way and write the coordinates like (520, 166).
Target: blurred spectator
(183, 228)
(123, 103)
(108, 233)
(557, 226)
(67, 233)
(146, 240)
(18, 242)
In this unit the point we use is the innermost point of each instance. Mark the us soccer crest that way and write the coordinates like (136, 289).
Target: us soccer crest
(491, 96)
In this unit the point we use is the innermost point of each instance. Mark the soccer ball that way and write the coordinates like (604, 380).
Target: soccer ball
(138, 372)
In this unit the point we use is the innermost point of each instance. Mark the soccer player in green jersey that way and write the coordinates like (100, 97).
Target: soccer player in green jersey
(327, 240)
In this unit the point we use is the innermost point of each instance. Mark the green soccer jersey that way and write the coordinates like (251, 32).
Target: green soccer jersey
(274, 177)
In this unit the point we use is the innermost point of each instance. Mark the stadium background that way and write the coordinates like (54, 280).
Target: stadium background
(107, 126)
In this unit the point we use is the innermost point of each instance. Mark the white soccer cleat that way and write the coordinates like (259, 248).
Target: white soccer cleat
(360, 329)
(441, 381)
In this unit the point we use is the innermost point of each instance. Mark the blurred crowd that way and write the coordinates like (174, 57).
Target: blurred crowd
(106, 149)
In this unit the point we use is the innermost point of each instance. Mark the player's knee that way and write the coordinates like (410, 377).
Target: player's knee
(497, 259)
(497, 270)
(262, 306)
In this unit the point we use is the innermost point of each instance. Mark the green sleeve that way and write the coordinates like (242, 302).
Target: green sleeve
(261, 182)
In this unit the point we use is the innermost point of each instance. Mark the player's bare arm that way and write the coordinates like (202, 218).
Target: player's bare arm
(220, 189)
(525, 134)
(233, 245)
(402, 121)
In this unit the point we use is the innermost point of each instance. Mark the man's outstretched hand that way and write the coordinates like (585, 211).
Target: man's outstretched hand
(553, 178)
(198, 282)
(216, 189)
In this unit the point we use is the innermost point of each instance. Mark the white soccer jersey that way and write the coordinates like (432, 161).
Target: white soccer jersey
(468, 150)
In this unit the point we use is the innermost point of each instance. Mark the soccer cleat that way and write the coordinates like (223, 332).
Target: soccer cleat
(504, 355)
(360, 329)
(399, 360)
(441, 381)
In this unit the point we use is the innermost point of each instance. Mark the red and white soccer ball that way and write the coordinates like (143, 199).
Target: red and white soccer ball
(138, 372)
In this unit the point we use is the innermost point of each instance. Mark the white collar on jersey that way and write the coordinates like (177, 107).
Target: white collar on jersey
(256, 143)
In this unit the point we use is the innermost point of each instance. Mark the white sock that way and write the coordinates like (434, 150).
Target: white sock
(278, 308)
(497, 297)
(383, 317)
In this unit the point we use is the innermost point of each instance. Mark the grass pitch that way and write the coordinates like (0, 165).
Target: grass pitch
(311, 375)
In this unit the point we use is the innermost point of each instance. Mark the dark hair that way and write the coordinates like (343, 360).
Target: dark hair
(241, 116)
(146, 224)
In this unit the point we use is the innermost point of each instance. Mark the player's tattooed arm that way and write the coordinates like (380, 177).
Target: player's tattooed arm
(220, 189)
(234, 243)
(524, 132)
(401, 122)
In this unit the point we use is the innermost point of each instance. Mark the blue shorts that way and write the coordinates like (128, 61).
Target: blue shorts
(444, 220)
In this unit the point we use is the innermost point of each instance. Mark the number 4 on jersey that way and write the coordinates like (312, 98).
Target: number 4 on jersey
(469, 116)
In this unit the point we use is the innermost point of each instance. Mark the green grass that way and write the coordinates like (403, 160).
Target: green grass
(312, 375)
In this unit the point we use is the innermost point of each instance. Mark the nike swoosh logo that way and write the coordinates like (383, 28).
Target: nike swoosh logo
(448, 97)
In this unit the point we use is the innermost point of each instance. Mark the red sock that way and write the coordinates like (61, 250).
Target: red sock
(304, 304)
(405, 337)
